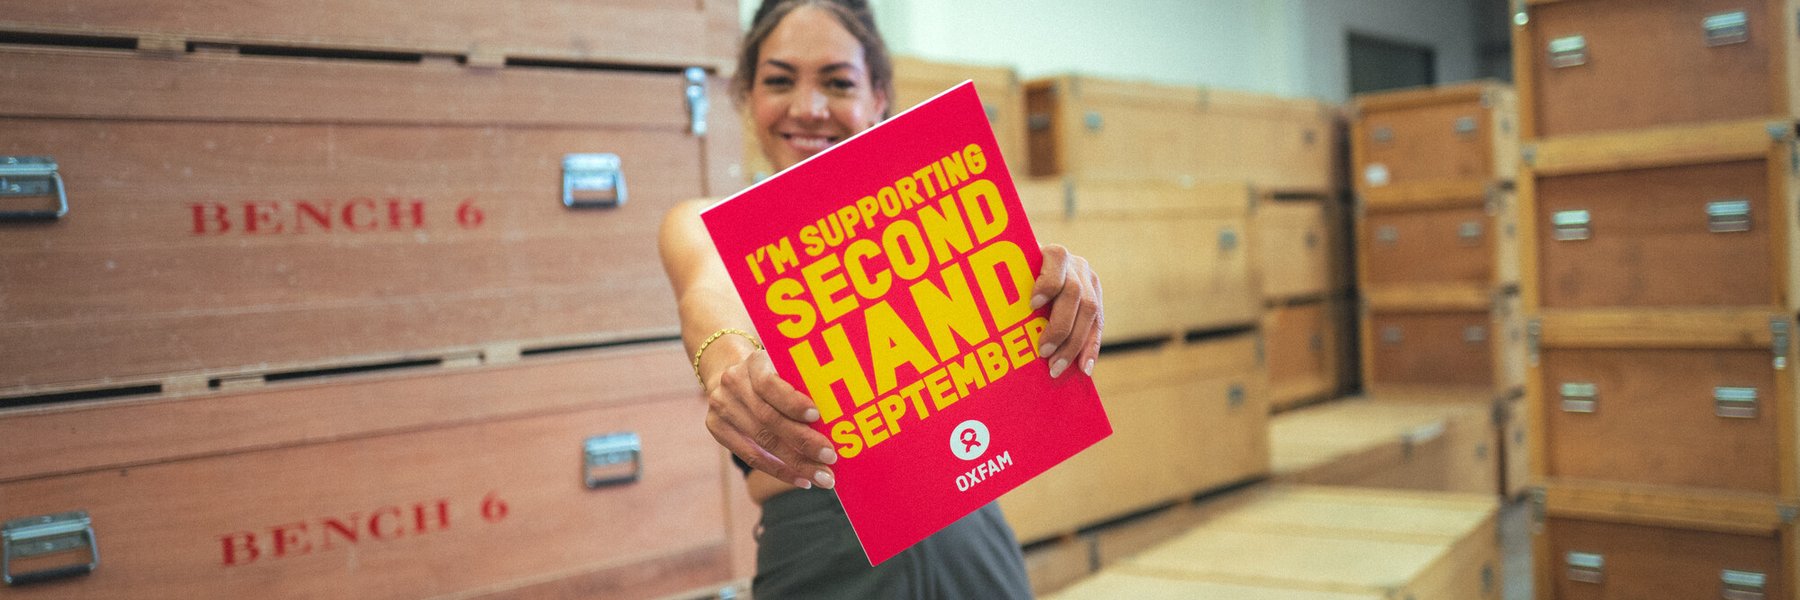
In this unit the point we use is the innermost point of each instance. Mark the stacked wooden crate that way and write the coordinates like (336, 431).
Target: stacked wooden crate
(1301, 254)
(1437, 251)
(1444, 444)
(1659, 192)
(1303, 543)
(1155, 185)
(334, 300)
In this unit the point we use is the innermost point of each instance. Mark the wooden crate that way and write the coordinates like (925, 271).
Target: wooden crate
(1171, 258)
(1462, 245)
(1458, 340)
(423, 482)
(1200, 408)
(1702, 399)
(1053, 564)
(1323, 544)
(636, 32)
(1605, 543)
(1591, 66)
(1445, 443)
(1299, 245)
(1301, 345)
(1677, 217)
(1423, 145)
(1096, 128)
(233, 215)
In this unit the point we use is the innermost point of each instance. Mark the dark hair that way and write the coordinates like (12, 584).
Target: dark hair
(854, 15)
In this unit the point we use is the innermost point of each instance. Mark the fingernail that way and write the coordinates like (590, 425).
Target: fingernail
(1047, 350)
(803, 484)
(824, 479)
(1088, 368)
(827, 456)
(812, 414)
(1057, 367)
(1039, 301)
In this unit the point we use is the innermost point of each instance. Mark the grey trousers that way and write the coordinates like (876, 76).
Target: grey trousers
(806, 549)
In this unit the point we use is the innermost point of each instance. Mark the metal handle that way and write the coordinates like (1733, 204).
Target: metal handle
(696, 101)
(1392, 334)
(1586, 567)
(1742, 585)
(1571, 225)
(1568, 52)
(1228, 239)
(603, 455)
(1387, 234)
(1579, 397)
(1728, 216)
(1727, 28)
(1382, 134)
(593, 181)
(1234, 396)
(22, 176)
(1465, 126)
(1734, 402)
(1093, 121)
(1469, 231)
(1475, 334)
(46, 535)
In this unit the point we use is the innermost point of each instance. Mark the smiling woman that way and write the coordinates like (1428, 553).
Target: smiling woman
(811, 74)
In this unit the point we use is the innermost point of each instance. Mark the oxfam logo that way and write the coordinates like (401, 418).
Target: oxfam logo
(970, 440)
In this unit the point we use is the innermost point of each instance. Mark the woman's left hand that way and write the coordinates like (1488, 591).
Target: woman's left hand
(1068, 284)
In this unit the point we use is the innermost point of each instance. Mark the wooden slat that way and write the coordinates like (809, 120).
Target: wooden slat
(635, 31)
(1656, 329)
(1657, 147)
(1425, 195)
(1724, 512)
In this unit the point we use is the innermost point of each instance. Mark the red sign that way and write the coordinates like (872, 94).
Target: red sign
(325, 534)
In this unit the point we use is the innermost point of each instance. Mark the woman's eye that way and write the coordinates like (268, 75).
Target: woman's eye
(841, 84)
(777, 81)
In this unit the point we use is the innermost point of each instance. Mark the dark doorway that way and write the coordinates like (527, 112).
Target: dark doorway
(1378, 64)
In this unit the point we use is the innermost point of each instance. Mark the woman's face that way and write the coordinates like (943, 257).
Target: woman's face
(811, 89)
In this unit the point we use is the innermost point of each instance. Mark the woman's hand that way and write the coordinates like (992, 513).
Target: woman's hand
(763, 420)
(1068, 284)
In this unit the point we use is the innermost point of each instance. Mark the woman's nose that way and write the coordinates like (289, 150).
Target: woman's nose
(810, 104)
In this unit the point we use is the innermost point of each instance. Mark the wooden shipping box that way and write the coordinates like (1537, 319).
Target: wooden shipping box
(233, 215)
(1300, 248)
(1444, 443)
(1186, 418)
(1592, 66)
(1599, 543)
(1095, 128)
(1302, 346)
(1321, 544)
(1676, 217)
(917, 80)
(560, 475)
(1428, 144)
(1458, 246)
(621, 32)
(1453, 340)
(1171, 258)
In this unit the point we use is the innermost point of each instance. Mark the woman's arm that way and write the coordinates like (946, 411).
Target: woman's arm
(751, 411)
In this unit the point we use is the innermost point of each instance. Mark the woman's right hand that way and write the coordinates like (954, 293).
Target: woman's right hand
(756, 415)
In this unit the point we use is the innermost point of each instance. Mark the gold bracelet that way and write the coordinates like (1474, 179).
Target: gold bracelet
(715, 337)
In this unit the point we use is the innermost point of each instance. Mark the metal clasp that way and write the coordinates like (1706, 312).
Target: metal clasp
(1465, 126)
(1742, 585)
(1234, 396)
(1475, 334)
(1579, 397)
(1586, 567)
(1469, 231)
(1382, 134)
(593, 181)
(1093, 121)
(1570, 225)
(1228, 239)
(46, 535)
(1387, 234)
(1778, 334)
(1734, 402)
(696, 101)
(603, 455)
(1728, 216)
(1392, 334)
(27, 176)
(1727, 28)
(1568, 52)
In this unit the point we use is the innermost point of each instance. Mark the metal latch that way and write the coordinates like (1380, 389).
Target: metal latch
(1469, 231)
(1778, 334)
(1586, 567)
(1534, 333)
(1728, 216)
(1568, 52)
(1734, 402)
(593, 181)
(696, 101)
(46, 535)
(1387, 234)
(1521, 14)
(1392, 334)
(1382, 134)
(1570, 225)
(1228, 239)
(1742, 585)
(1234, 397)
(27, 176)
(1465, 126)
(1093, 121)
(1579, 397)
(1474, 334)
(1038, 122)
(604, 455)
(1727, 28)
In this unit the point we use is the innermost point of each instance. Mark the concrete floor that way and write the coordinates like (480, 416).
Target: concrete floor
(1515, 544)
